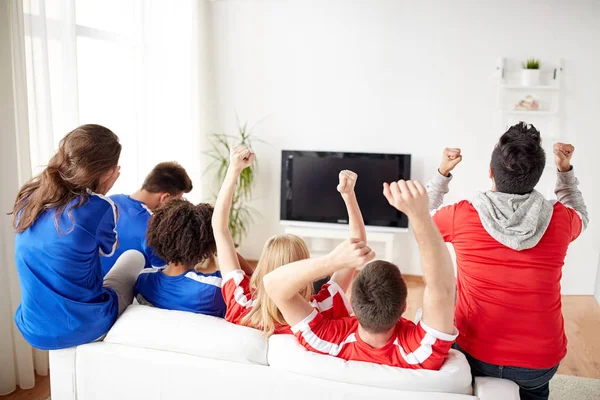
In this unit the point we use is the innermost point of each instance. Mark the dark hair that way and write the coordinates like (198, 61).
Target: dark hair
(180, 232)
(518, 159)
(168, 177)
(84, 155)
(379, 296)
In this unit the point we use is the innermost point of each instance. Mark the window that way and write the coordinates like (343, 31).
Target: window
(124, 64)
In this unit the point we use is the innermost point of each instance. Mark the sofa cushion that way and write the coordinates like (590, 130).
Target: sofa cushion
(188, 333)
(454, 376)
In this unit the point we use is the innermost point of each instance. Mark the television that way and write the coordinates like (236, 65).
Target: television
(309, 182)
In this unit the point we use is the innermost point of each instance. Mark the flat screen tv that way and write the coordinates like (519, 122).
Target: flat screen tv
(309, 180)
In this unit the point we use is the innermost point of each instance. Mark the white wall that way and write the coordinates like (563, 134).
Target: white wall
(403, 77)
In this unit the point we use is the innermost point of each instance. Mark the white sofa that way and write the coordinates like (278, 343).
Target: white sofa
(155, 354)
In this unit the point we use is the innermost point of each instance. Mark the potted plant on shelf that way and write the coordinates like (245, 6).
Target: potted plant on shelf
(241, 214)
(530, 74)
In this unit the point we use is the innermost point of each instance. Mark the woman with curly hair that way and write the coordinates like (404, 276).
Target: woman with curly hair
(181, 234)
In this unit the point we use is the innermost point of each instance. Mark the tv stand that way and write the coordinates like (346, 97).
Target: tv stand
(317, 230)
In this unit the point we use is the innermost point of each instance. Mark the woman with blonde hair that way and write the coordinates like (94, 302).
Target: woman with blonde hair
(247, 302)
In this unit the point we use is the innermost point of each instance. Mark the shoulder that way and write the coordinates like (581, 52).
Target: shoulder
(562, 213)
(119, 199)
(101, 202)
(147, 279)
(205, 279)
(149, 273)
(237, 276)
(558, 208)
(413, 332)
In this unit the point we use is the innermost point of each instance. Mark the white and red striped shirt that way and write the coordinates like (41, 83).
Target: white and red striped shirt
(414, 346)
(238, 297)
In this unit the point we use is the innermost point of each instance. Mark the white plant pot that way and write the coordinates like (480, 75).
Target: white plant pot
(530, 77)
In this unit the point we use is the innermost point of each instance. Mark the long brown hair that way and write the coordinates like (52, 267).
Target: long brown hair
(84, 156)
(278, 251)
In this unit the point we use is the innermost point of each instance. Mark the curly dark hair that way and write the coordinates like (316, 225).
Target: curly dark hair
(180, 232)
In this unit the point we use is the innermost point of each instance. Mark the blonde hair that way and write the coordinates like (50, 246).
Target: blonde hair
(278, 251)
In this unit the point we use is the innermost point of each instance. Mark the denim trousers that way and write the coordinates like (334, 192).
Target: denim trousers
(534, 384)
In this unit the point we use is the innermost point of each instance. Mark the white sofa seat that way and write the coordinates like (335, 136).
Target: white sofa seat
(287, 354)
(188, 333)
(155, 354)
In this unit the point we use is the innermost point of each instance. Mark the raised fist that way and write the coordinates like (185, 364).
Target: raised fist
(347, 181)
(562, 156)
(409, 197)
(241, 157)
(351, 253)
(450, 159)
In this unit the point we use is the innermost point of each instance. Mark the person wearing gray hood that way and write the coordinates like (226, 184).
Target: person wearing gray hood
(510, 244)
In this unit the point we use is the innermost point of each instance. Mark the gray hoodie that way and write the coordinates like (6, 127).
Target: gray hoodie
(516, 221)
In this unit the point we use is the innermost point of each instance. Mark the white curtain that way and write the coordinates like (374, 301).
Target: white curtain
(135, 66)
(131, 65)
(18, 361)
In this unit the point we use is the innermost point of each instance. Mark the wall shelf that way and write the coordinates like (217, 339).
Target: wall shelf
(541, 113)
(549, 95)
(521, 87)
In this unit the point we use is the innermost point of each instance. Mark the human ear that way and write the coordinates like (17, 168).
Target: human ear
(164, 197)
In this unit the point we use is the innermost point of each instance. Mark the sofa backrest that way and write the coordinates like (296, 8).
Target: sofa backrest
(454, 377)
(188, 333)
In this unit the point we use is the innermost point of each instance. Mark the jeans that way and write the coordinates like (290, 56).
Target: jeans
(534, 384)
(122, 277)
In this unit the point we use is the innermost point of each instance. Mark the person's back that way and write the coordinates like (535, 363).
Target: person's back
(181, 233)
(510, 246)
(377, 332)
(166, 181)
(63, 225)
(192, 291)
(60, 273)
(514, 294)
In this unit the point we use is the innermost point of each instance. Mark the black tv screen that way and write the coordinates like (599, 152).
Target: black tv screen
(309, 186)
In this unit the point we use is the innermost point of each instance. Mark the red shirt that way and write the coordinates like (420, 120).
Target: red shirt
(239, 299)
(414, 346)
(508, 309)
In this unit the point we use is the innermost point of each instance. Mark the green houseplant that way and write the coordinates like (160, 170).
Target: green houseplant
(530, 74)
(241, 214)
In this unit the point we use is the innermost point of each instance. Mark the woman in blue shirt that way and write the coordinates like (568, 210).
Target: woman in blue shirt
(60, 217)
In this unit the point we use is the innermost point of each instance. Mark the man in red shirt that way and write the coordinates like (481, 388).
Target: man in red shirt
(377, 333)
(510, 245)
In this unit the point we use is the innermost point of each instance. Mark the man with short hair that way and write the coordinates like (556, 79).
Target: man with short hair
(510, 245)
(166, 181)
(377, 333)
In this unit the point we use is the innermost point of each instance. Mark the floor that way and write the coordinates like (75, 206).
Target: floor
(582, 324)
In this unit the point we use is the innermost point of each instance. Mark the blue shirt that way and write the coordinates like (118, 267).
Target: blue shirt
(192, 291)
(63, 303)
(132, 226)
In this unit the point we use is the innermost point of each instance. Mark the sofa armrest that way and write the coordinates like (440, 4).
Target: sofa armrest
(495, 389)
(63, 382)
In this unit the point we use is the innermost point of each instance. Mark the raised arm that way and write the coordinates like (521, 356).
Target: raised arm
(284, 283)
(566, 181)
(240, 158)
(438, 298)
(346, 186)
(244, 265)
(437, 187)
